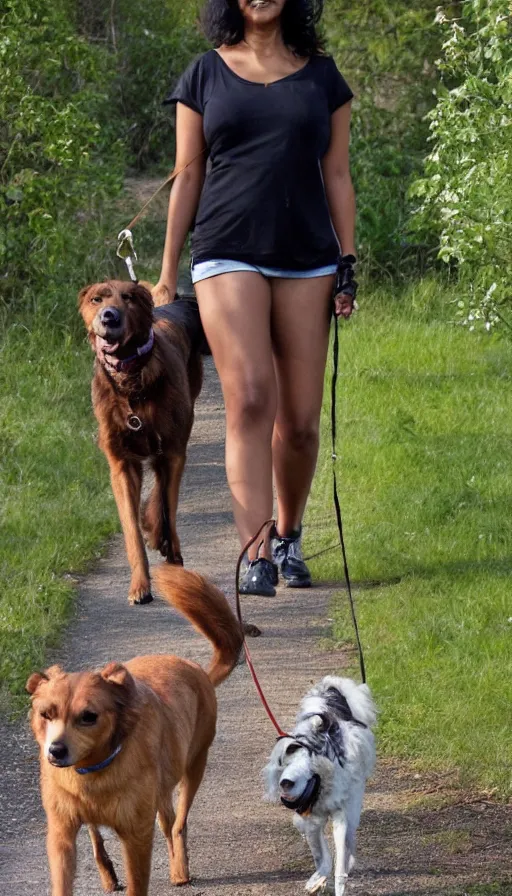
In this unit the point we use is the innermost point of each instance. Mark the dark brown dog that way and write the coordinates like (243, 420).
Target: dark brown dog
(114, 744)
(147, 376)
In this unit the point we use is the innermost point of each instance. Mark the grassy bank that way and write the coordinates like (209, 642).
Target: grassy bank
(425, 413)
(57, 507)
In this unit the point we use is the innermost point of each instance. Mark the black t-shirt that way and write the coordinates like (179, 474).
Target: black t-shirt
(263, 199)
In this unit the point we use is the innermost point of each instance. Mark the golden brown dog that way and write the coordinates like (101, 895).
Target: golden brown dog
(115, 743)
(147, 376)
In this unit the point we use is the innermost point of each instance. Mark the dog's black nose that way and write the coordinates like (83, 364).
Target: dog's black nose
(110, 317)
(58, 750)
(286, 784)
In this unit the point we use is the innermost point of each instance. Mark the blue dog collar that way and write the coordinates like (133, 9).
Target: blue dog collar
(97, 768)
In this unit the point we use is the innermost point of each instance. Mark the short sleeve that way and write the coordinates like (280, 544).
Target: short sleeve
(189, 90)
(338, 91)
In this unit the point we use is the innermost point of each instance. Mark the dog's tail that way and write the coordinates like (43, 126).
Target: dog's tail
(358, 697)
(208, 611)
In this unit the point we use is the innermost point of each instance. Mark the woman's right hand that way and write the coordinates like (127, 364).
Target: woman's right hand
(163, 292)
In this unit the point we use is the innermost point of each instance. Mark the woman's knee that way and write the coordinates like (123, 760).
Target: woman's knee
(300, 436)
(251, 403)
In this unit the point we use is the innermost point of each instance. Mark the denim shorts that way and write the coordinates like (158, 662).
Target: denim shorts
(204, 269)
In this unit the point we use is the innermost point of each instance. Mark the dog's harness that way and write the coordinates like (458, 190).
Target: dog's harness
(304, 803)
(101, 765)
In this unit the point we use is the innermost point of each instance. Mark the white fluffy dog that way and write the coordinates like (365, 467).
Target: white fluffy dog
(320, 770)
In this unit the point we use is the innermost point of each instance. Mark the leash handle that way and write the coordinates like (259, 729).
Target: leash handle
(248, 657)
(335, 365)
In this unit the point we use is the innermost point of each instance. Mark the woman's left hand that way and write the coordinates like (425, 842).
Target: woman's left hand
(344, 305)
(345, 287)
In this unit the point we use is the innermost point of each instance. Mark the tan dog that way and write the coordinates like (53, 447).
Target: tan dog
(147, 376)
(115, 743)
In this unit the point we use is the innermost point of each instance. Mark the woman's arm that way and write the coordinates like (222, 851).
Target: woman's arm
(338, 186)
(184, 198)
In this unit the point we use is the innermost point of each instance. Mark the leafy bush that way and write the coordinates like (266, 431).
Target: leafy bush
(466, 194)
(151, 44)
(385, 50)
(60, 157)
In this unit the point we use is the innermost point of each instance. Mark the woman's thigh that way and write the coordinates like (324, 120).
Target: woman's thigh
(300, 335)
(235, 312)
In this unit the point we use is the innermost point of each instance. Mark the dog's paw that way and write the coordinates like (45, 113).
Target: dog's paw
(317, 883)
(139, 596)
(143, 599)
(179, 880)
(251, 630)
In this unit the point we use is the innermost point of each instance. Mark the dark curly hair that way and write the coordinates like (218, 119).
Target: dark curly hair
(223, 23)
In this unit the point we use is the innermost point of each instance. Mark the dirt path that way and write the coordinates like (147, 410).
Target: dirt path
(239, 845)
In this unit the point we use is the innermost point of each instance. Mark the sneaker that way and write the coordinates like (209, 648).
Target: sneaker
(259, 577)
(287, 555)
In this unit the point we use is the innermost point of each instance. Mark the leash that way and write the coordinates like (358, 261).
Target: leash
(125, 248)
(247, 652)
(174, 173)
(335, 365)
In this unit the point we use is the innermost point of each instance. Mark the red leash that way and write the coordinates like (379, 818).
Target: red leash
(250, 664)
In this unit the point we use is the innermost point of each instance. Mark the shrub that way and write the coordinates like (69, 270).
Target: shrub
(385, 50)
(60, 157)
(151, 44)
(465, 196)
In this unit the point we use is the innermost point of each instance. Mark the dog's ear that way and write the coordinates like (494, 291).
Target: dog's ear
(319, 723)
(82, 294)
(124, 692)
(38, 677)
(142, 295)
(117, 674)
(34, 681)
(125, 687)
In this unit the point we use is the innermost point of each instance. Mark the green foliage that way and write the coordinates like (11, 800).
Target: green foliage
(57, 508)
(385, 50)
(60, 157)
(424, 479)
(151, 44)
(465, 197)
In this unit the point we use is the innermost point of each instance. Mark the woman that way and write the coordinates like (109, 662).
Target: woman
(272, 208)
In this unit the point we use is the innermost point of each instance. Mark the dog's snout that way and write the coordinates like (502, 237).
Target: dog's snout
(58, 750)
(110, 317)
(286, 785)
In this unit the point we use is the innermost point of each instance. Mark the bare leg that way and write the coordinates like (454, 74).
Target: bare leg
(235, 311)
(61, 845)
(300, 331)
(106, 869)
(188, 789)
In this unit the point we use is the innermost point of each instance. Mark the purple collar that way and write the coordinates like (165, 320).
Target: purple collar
(119, 364)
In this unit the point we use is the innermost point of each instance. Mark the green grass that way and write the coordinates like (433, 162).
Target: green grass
(425, 481)
(57, 508)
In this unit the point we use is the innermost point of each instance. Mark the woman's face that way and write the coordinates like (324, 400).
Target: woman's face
(261, 12)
